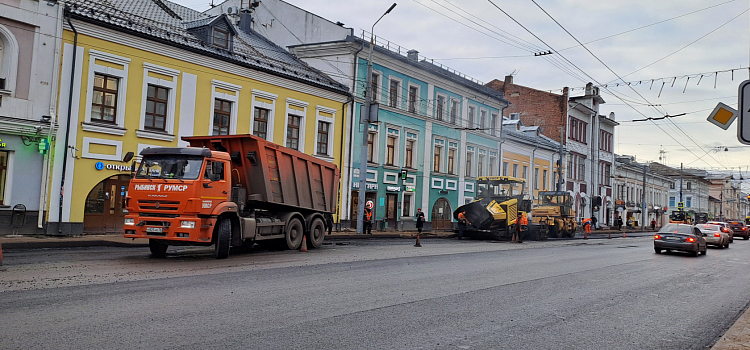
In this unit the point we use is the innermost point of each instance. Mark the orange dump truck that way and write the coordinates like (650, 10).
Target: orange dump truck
(230, 190)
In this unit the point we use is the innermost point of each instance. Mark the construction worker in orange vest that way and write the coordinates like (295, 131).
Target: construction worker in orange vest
(462, 222)
(521, 223)
(586, 227)
(367, 219)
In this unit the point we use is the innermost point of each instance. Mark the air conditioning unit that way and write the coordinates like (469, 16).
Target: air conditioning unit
(232, 10)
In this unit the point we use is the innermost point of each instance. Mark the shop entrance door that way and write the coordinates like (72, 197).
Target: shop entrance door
(442, 215)
(104, 211)
(354, 209)
(391, 209)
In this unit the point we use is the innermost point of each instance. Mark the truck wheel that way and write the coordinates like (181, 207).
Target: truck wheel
(294, 233)
(158, 248)
(317, 234)
(223, 236)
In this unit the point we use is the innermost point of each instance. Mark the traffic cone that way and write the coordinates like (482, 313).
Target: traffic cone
(303, 248)
(623, 234)
(417, 244)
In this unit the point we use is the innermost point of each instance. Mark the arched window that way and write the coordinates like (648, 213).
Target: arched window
(8, 60)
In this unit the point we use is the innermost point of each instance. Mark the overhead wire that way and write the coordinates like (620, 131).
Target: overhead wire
(613, 72)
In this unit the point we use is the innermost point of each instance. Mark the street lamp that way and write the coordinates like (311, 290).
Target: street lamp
(365, 130)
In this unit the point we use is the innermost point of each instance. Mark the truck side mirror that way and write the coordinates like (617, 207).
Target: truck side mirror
(132, 169)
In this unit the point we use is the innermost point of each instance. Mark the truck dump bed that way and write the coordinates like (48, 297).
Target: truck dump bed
(275, 175)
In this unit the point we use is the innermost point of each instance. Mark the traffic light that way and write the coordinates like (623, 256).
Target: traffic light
(403, 175)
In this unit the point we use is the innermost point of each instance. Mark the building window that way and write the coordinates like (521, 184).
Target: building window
(393, 92)
(671, 202)
(505, 168)
(525, 172)
(689, 185)
(323, 131)
(375, 86)
(469, 158)
(390, 151)
(413, 99)
(483, 121)
(581, 168)
(454, 111)
(407, 205)
(370, 146)
(222, 116)
(606, 173)
(688, 202)
(260, 123)
(3, 174)
(440, 107)
(470, 123)
(493, 165)
(493, 125)
(104, 103)
(480, 165)
(220, 38)
(156, 108)
(605, 141)
(451, 160)
(515, 170)
(409, 163)
(544, 179)
(577, 130)
(292, 131)
(536, 178)
(436, 159)
(571, 169)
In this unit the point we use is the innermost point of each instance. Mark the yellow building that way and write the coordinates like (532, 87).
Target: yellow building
(144, 73)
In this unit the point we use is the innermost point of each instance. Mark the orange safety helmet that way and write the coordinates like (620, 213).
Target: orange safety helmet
(368, 205)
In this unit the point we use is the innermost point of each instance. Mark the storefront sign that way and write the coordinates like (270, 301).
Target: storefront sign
(368, 186)
(119, 167)
(393, 188)
(2, 144)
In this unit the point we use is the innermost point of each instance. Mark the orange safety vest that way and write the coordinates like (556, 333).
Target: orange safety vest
(586, 221)
(524, 220)
(368, 214)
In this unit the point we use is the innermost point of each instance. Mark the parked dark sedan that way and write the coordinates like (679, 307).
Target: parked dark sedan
(681, 237)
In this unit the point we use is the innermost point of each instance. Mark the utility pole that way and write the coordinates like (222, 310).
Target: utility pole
(558, 185)
(643, 200)
(365, 130)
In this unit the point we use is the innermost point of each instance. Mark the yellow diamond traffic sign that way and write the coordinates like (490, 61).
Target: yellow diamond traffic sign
(722, 116)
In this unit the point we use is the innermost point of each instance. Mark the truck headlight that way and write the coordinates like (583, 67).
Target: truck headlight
(187, 224)
(129, 221)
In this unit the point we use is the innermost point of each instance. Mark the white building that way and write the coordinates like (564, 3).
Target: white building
(629, 192)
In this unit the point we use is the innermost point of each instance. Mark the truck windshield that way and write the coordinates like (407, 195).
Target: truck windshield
(170, 167)
(555, 198)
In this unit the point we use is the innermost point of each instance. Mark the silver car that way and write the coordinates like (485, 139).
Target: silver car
(725, 228)
(714, 235)
(682, 237)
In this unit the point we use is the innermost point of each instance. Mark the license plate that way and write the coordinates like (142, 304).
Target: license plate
(154, 229)
(667, 238)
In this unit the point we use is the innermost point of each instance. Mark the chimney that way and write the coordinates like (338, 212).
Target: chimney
(246, 21)
(508, 80)
(589, 88)
(413, 55)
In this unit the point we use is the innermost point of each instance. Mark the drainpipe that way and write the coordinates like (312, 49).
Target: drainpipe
(52, 121)
(348, 185)
(502, 140)
(67, 128)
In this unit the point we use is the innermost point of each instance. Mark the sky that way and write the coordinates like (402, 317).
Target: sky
(676, 58)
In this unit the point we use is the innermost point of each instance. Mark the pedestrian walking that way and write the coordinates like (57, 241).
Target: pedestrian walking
(521, 223)
(653, 224)
(586, 228)
(630, 223)
(462, 222)
(367, 218)
(594, 220)
(619, 223)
